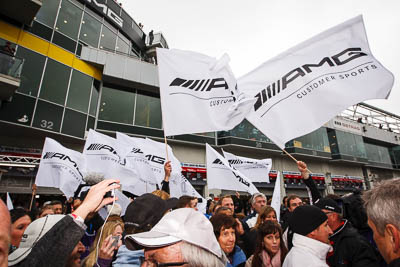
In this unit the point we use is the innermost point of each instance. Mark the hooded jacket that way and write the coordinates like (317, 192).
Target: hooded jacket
(306, 252)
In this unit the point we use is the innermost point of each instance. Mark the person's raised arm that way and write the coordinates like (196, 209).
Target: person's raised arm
(305, 174)
(167, 175)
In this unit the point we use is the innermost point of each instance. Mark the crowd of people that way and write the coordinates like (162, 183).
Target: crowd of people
(157, 230)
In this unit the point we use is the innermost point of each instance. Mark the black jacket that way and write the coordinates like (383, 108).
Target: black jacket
(351, 249)
(395, 263)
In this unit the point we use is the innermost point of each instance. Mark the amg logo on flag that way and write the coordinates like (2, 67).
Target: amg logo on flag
(50, 155)
(152, 158)
(109, 148)
(275, 88)
(240, 178)
(200, 85)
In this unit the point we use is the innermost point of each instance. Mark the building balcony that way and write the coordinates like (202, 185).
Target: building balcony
(24, 15)
(10, 73)
(158, 40)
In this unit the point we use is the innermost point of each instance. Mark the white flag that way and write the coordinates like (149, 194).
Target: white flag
(222, 175)
(156, 154)
(106, 156)
(304, 87)
(198, 93)
(136, 159)
(276, 197)
(257, 170)
(60, 167)
(10, 205)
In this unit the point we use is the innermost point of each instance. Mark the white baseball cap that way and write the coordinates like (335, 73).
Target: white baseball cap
(185, 224)
(36, 230)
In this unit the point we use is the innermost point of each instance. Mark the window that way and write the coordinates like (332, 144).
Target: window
(317, 140)
(350, 144)
(90, 30)
(48, 116)
(378, 154)
(31, 72)
(19, 110)
(48, 12)
(116, 105)
(122, 45)
(69, 19)
(74, 123)
(246, 130)
(148, 111)
(79, 91)
(107, 39)
(95, 98)
(55, 82)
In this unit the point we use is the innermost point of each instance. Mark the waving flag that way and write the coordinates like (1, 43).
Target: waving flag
(257, 170)
(60, 167)
(198, 93)
(222, 175)
(304, 87)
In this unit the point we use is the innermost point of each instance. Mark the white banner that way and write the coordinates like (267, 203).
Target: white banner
(276, 197)
(306, 86)
(198, 93)
(222, 175)
(60, 167)
(106, 156)
(257, 170)
(137, 160)
(10, 205)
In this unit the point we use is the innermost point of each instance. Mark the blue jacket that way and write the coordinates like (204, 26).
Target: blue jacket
(238, 258)
(126, 257)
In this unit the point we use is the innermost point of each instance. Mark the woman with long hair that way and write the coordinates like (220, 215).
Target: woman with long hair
(267, 213)
(101, 253)
(270, 250)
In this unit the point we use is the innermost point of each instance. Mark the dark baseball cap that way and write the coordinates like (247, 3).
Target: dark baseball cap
(328, 204)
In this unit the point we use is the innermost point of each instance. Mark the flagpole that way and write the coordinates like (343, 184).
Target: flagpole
(293, 158)
(166, 147)
(33, 195)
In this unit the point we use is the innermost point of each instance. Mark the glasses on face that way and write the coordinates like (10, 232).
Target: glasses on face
(296, 204)
(153, 263)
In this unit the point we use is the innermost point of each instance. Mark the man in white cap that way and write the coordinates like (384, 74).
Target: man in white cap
(183, 237)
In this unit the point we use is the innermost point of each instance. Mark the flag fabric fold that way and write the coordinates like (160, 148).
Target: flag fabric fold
(222, 175)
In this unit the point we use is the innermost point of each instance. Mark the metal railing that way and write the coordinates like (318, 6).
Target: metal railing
(10, 65)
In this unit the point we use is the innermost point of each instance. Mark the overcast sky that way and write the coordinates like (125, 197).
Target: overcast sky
(253, 31)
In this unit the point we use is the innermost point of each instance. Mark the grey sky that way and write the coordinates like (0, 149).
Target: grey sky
(251, 32)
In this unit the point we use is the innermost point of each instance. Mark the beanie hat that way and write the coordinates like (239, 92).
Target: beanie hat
(305, 219)
(328, 204)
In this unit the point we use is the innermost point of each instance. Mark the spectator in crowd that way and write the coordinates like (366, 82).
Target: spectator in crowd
(188, 202)
(225, 232)
(167, 175)
(51, 240)
(258, 201)
(5, 233)
(140, 216)
(349, 247)
(227, 201)
(57, 206)
(267, 214)
(224, 210)
(19, 222)
(183, 236)
(151, 37)
(310, 239)
(45, 211)
(105, 246)
(270, 250)
(382, 205)
(161, 194)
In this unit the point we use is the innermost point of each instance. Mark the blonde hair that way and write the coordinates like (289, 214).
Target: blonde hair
(108, 229)
(161, 194)
(263, 214)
